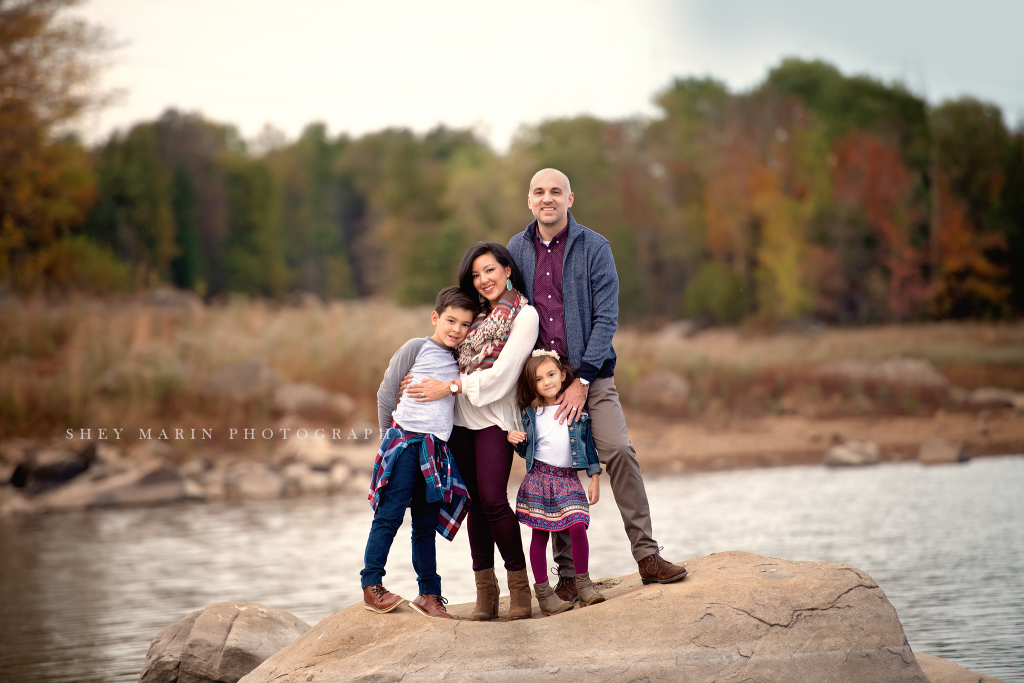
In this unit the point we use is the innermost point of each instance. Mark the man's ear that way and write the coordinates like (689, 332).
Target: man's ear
(571, 197)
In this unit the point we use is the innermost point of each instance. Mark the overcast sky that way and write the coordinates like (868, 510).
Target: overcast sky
(496, 65)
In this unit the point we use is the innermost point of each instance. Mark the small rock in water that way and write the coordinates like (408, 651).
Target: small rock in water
(853, 454)
(939, 451)
(992, 396)
(255, 482)
(152, 483)
(51, 468)
(340, 474)
(221, 643)
(939, 670)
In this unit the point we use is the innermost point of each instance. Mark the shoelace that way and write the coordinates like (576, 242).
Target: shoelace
(441, 601)
(554, 572)
(378, 591)
(653, 559)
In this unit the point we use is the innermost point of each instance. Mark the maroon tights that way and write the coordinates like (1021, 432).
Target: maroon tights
(484, 459)
(539, 551)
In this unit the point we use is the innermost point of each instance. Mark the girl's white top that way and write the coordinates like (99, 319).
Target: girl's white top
(488, 396)
(552, 445)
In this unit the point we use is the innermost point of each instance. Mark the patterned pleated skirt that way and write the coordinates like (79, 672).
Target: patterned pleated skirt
(551, 498)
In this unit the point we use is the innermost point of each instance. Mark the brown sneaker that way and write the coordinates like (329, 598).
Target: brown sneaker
(566, 590)
(379, 599)
(431, 606)
(656, 568)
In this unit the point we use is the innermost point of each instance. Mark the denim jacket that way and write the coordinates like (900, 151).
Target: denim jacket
(584, 453)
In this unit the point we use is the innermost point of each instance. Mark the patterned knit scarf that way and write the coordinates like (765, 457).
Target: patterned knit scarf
(489, 333)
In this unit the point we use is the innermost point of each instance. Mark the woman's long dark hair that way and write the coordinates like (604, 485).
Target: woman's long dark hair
(500, 255)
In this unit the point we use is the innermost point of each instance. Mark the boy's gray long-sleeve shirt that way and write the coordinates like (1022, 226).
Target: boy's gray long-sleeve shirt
(423, 358)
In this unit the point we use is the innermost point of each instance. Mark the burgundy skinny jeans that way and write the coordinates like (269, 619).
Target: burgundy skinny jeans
(484, 459)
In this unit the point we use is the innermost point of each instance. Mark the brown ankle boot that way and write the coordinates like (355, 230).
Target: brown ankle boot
(588, 594)
(520, 602)
(486, 595)
(655, 568)
(549, 601)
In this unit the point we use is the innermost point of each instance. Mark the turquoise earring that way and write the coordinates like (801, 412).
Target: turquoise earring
(508, 284)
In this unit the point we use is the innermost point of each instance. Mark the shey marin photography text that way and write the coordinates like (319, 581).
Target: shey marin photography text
(243, 434)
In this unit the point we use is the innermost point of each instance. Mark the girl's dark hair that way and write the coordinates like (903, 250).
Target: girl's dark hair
(526, 392)
(503, 258)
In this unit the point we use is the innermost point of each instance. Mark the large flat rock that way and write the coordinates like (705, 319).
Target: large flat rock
(737, 617)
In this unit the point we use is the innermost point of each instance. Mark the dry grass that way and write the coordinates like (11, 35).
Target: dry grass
(733, 370)
(123, 363)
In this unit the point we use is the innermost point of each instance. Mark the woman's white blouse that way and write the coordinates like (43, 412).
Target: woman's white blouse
(488, 396)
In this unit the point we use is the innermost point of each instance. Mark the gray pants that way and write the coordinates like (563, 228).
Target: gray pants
(618, 456)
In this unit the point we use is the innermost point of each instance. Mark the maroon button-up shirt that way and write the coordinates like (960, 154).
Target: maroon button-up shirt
(547, 292)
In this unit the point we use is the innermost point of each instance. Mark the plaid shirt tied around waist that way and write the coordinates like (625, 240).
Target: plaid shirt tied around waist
(444, 484)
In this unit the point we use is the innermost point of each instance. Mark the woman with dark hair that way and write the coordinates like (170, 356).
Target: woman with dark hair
(490, 360)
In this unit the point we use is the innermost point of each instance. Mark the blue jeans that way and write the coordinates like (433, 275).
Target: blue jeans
(406, 483)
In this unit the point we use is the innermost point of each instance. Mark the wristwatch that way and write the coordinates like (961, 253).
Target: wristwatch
(454, 388)
(584, 382)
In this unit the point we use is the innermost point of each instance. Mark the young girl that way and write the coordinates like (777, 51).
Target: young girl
(551, 497)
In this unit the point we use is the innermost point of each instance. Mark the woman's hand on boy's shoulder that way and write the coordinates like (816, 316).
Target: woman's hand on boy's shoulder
(516, 438)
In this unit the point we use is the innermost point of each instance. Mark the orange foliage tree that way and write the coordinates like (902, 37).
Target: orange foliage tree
(47, 62)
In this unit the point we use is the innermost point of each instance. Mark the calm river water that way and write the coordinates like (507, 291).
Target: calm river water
(81, 595)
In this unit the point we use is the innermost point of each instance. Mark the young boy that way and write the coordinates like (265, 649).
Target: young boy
(414, 461)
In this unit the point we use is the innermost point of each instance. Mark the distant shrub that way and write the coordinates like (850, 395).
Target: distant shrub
(717, 293)
(77, 263)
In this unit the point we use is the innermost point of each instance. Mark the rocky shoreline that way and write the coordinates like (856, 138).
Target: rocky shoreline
(105, 477)
(56, 476)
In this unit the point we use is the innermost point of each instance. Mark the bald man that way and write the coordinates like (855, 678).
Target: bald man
(571, 281)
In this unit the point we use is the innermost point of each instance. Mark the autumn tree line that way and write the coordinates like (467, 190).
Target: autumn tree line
(814, 195)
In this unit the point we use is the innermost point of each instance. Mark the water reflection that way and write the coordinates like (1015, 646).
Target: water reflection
(81, 595)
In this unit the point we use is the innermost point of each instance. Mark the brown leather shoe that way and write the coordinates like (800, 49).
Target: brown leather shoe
(566, 590)
(431, 606)
(379, 599)
(655, 568)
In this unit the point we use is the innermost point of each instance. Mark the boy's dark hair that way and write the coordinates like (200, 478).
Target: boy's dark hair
(500, 255)
(526, 394)
(453, 297)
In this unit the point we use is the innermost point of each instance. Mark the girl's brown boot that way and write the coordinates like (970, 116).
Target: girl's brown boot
(588, 594)
(520, 602)
(486, 595)
(549, 601)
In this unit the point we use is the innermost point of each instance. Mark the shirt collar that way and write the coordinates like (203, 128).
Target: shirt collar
(560, 237)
